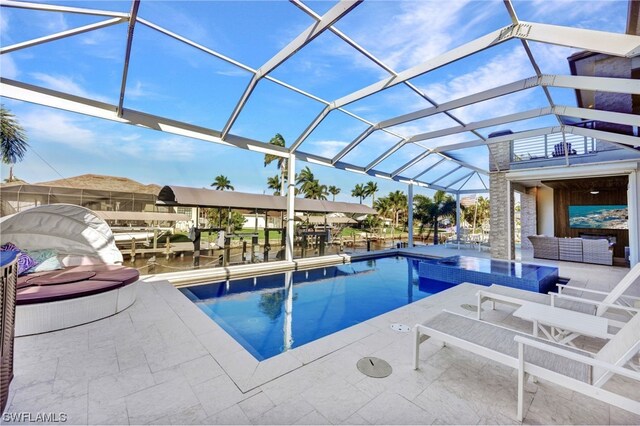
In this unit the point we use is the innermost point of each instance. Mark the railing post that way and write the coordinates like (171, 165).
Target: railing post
(546, 146)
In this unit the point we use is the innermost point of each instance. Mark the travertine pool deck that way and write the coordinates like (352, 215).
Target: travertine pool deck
(163, 361)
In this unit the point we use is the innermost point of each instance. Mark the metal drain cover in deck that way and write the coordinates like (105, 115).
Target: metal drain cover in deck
(400, 327)
(374, 367)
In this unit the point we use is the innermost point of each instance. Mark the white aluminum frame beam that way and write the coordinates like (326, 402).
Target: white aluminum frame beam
(451, 56)
(467, 49)
(306, 37)
(600, 84)
(603, 135)
(385, 155)
(504, 138)
(533, 113)
(606, 84)
(411, 163)
(62, 34)
(428, 168)
(599, 115)
(623, 45)
(347, 149)
(467, 176)
(485, 95)
(135, 5)
(445, 175)
(51, 98)
(64, 9)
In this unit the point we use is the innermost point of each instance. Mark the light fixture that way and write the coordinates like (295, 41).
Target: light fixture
(381, 176)
(594, 192)
(267, 151)
(349, 169)
(322, 163)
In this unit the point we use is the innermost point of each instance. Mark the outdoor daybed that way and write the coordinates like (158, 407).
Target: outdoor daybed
(84, 280)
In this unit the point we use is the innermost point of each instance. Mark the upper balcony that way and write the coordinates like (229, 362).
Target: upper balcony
(549, 150)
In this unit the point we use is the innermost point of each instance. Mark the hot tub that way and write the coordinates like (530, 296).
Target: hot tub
(458, 269)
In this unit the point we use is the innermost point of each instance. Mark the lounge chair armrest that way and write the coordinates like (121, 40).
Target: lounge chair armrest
(562, 287)
(592, 302)
(634, 375)
(487, 295)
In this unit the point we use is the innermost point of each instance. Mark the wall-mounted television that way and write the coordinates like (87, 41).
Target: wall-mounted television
(599, 217)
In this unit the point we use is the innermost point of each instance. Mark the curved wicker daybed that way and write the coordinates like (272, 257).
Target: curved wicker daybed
(92, 285)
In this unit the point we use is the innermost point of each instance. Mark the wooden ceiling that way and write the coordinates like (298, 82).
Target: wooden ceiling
(604, 183)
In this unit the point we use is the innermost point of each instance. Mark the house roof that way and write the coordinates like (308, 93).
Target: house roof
(196, 197)
(104, 183)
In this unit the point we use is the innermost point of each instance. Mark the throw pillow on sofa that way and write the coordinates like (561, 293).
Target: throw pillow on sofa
(25, 262)
(46, 260)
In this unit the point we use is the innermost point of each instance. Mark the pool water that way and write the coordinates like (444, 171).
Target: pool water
(267, 319)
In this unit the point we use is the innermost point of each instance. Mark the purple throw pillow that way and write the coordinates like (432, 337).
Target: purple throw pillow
(25, 262)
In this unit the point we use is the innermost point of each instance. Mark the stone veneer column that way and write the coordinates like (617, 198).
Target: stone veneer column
(501, 202)
(528, 218)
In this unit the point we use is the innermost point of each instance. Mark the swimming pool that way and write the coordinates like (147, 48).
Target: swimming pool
(267, 316)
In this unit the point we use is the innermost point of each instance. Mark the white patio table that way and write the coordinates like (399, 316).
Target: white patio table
(562, 323)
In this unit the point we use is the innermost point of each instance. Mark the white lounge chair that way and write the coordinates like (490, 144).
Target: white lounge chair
(577, 370)
(614, 300)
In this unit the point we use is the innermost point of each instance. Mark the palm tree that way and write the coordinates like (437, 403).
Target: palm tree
(304, 179)
(334, 190)
(316, 191)
(275, 184)
(370, 189)
(221, 183)
(383, 206)
(398, 204)
(278, 140)
(358, 191)
(14, 141)
(430, 211)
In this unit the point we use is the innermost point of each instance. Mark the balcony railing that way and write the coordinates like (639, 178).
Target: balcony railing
(550, 146)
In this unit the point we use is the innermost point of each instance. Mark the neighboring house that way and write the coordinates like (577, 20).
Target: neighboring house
(96, 192)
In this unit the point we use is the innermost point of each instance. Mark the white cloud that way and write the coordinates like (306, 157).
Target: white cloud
(56, 127)
(65, 129)
(326, 148)
(502, 69)
(170, 148)
(8, 67)
(420, 31)
(552, 59)
(54, 22)
(131, 137)
(137, 91)
(65, 84)
(4, 25)
(237, 72)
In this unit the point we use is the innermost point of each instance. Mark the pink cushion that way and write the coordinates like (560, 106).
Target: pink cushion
(61, 277)
(51, 293)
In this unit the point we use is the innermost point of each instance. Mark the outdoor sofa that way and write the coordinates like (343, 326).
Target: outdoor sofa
(584, 250)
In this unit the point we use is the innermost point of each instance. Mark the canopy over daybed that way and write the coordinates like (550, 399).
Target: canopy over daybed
(69, 229)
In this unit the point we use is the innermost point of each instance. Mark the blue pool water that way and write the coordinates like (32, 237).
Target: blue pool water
(322, 301)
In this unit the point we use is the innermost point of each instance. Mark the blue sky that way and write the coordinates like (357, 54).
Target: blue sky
(171, 79)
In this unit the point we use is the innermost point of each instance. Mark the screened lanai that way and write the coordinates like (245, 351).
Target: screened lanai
(335, 77)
